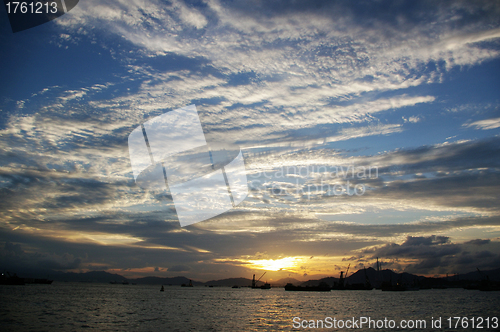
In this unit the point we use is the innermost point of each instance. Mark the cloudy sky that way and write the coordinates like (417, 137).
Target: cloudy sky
(397, 100)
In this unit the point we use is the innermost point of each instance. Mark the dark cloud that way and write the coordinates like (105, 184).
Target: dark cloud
(419, 247)
(179, 268)
(477, 190)
(425, 241)
(65, 262)
(478, 242)
(384, 230)
(485, 254)
(428, 264)
(460, 156)
(14, 249)
(457, 175)
(14, 258)
(437, 254)
(45, 191)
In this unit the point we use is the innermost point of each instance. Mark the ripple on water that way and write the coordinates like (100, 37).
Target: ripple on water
(67, 306)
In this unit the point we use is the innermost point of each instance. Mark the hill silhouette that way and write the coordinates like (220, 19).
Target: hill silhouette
(374, 277)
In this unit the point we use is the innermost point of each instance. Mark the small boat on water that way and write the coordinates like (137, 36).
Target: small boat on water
(162, 289)
(265, 286)
(254, 283)
(188, 285)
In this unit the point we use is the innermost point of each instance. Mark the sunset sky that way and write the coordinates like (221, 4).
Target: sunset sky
(309, 91)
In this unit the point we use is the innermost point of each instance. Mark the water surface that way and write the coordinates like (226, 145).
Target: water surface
(105, 307)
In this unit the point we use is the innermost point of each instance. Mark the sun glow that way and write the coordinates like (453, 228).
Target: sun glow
(287, 263)
(299, 265)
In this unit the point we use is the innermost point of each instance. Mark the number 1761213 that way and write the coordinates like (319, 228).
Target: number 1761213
(38, 7)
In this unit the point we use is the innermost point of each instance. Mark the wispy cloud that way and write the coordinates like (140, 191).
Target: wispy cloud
(484, 124)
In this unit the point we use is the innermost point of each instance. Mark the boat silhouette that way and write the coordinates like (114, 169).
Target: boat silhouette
(188, 285)
(254, 283)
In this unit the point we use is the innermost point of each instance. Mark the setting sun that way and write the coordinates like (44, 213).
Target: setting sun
(287, 263)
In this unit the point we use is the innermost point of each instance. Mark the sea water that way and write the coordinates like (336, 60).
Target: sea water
(106, 307)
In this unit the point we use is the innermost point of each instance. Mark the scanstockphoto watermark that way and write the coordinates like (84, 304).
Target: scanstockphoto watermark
(313, 180)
